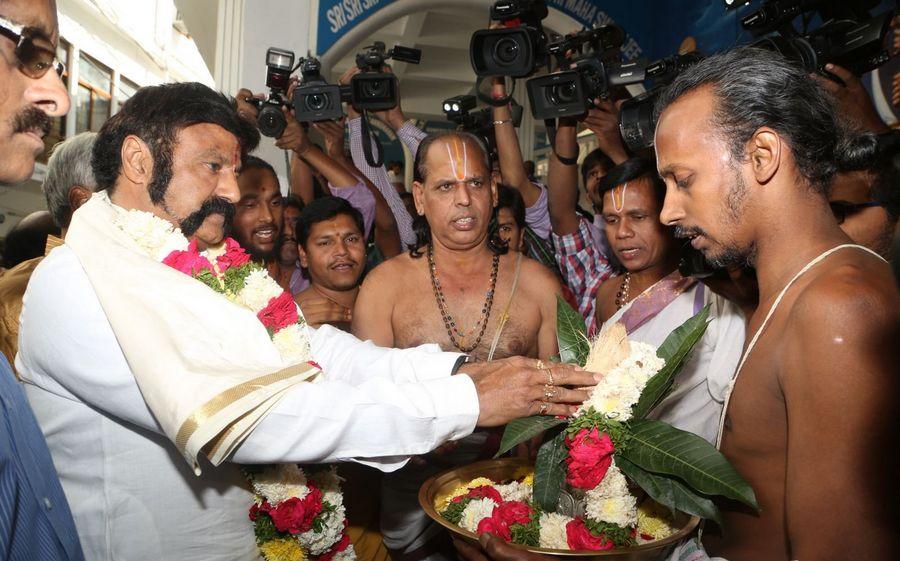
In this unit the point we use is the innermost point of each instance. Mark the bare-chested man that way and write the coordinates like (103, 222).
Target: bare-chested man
(461, 289)
(458, 278)
(748, 145)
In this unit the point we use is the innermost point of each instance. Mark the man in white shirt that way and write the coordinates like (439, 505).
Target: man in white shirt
(114, 346)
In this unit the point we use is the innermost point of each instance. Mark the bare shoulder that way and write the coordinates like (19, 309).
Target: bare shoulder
(389, 273)
(538, 274)
(304, 295)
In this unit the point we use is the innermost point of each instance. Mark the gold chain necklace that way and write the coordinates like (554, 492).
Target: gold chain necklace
(449, 322)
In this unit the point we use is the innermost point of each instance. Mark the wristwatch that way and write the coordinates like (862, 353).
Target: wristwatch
(460, 362)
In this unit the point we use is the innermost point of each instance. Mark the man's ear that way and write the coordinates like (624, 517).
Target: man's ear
(137, 162)
(304, 259)
(418, 192)
(78, 195)
(765, 149)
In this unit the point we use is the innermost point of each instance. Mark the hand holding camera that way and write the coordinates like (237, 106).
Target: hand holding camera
(603, 121)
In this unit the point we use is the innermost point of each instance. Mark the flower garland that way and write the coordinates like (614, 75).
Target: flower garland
(295, 517)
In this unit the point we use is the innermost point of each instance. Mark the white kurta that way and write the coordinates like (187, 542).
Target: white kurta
(700, 387)
(135, 498)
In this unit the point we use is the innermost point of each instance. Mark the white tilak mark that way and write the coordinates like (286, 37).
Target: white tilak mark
(452, 162)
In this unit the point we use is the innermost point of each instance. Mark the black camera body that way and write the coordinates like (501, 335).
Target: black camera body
(636, 122)
(516, 50)
(858, 46)
(315, 99)
(592, 76)
(372, 89)
(459, 110)
(279, 65)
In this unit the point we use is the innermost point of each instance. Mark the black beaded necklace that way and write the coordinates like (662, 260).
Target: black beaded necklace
(457, 338)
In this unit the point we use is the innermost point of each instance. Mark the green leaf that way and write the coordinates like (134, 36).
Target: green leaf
(675, 350)
(549, 472)
(670, 492)
(453, 513)
(523, 429)
(571, 334)
(660, 448)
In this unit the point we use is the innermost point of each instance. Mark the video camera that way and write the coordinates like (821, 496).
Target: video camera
(850, 37)
(517, 49)
(375, 90)
(592, 76)
(279, 65)
(458, 109)
(315, 99)
(636, 123)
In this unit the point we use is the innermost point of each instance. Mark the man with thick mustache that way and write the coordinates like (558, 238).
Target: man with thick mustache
(154, 388)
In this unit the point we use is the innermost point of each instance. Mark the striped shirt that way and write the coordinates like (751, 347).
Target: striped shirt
(35, 520)
(584, 267)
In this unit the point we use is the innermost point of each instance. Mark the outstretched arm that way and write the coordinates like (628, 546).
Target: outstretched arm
(512, 167)
(562, 180)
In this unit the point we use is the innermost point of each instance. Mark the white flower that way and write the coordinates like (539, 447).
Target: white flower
(329, 482)
(155, 236)
(292, 343)
(258, 289)
(280, 482)
(514, 491)
(611, 501)
(317, 543)
(348, 554)
(476, 511)
(653, 520)
(621, 387)
(553, 530)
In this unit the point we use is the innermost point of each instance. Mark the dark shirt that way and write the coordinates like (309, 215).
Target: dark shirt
(35, 520)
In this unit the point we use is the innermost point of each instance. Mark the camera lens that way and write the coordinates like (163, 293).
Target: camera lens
(375, 88)
(316, 102)
(561, 94)
(506, 51)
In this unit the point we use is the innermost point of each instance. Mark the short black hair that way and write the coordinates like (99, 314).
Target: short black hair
(156, 114)
(510, 198)
(595, 158)
(886, 186)
(254, 162)
(630, 170)
(323, 209)
(293, 201)
(753, 88)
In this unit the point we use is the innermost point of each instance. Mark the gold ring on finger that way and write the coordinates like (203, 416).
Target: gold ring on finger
(550, 377)
(539, 365)
(544, 407)
(549, 392)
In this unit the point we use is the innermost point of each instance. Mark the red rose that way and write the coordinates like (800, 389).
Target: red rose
(295, 515)
(234, 256)
(189, 262)
(580, 538)
(279, 313)
(590, 455)
(505, 515)
(481, 492)
(336, 548)
(254, 512)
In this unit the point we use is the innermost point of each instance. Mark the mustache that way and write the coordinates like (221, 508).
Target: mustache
(32, 118)
(215, 205)
(689, 231)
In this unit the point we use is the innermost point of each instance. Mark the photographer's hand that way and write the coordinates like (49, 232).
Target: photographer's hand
(852, 99)
(603, 121)
(333, 131)
(294, 137)
(352, 112)
(245, 109)
(394, 117)
(512, 166)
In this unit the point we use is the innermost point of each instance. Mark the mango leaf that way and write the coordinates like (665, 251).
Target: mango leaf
(523, 429)
(670, 492)
(571, 334)
(660, 448)
(675, 350)
(549, 472)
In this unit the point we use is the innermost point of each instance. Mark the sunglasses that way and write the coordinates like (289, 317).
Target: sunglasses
(843, 209)
(35, 53)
